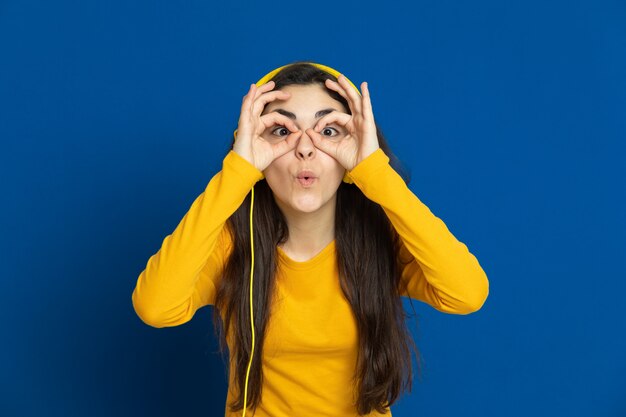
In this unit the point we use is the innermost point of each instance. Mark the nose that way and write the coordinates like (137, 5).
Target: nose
(305, 149)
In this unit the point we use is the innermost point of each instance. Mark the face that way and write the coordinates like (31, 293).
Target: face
(293, 195)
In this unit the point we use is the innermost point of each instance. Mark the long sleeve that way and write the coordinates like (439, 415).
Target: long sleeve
(436, 267)
(180, 277)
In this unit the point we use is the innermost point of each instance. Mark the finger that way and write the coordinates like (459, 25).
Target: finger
(354, 96)
(334, 117)
(263, 88)
(253, 93)
(284, 146)
(344, 88)
(368, 113)
(336, 87)
(247, 100)
(325, 146)
(262, 100)
(272, 118)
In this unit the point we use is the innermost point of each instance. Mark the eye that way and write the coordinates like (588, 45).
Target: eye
(327, 128)
(282, 129)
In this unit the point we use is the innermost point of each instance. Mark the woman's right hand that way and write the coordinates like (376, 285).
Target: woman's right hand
(249, 143)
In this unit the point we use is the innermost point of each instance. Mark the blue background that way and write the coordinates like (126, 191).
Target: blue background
(510, 115)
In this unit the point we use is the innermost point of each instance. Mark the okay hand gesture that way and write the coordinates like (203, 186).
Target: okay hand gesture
(360, 139)
(249, 142)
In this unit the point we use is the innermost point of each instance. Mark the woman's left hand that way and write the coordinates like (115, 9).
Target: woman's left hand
(360, 139)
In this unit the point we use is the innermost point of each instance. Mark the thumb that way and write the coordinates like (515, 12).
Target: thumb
(288, 144)
(320, 143)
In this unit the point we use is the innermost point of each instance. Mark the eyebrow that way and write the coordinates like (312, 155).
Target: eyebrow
(293, 116)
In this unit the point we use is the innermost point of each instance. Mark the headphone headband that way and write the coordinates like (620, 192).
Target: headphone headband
(326, 68)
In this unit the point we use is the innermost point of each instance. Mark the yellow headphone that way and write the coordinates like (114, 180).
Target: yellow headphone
(346, 178)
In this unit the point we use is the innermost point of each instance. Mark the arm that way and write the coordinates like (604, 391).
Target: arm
(436, 267)
(181, 276)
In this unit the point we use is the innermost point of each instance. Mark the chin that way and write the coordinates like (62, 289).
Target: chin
(308, 204)
(306, 208)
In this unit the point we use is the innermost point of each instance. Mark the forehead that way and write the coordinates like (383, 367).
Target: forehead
(305, 99)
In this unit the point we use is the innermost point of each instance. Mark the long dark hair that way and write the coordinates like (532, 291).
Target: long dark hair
(369, 283)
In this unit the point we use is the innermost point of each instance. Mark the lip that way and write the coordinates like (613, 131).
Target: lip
(306, 178)
(306, 183)
(305, 173)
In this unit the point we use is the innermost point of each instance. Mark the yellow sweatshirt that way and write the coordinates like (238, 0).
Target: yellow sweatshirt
(311, 345)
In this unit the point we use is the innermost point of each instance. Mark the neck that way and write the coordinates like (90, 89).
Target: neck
(309, 233)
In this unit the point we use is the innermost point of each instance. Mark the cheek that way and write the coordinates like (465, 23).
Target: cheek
(275, 176)
(339, 172)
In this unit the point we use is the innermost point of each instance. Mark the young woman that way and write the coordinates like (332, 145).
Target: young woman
(333, 240)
